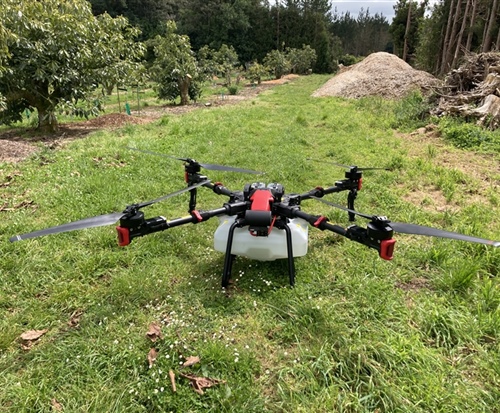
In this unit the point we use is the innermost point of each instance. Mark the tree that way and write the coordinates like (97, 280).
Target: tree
(227, 60)
(59, 54)
(217, 62)
(148, 15)
(405, 27)
(301, 60)
(278, 63)
(361, 36)
(493, 18)
(176, 69)
(5, 38)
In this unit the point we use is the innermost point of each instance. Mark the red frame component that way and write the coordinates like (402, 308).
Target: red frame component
(261, 200)
(197, 215)
(319, 221)
(360, 184)
(387, 249)
(123, 236)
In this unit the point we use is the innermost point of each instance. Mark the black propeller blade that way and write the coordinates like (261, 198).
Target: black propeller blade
(92, 222)
(100, 220)
(414, 229)
(210, 167)
(350, 166)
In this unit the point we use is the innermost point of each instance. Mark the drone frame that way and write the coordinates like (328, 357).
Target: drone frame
(261, 208)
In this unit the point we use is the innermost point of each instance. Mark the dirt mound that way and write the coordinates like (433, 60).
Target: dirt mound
(380, 74)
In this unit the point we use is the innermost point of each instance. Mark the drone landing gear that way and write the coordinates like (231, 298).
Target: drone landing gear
(229, 258)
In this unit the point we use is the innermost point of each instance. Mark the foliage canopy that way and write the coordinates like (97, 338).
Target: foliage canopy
(58, 54)
(176, 69)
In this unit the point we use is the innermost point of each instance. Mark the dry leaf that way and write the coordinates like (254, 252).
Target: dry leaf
(74, 321)
(153, 353)
(190, 361)
(23, 204)
(56, 406)
(154, 332)
(33, 335)
(200, 383)
(172, 380)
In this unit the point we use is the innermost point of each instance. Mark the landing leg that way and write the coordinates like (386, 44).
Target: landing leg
(289, 249)
(229, 258)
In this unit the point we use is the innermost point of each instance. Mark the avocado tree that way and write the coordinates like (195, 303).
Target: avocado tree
(301, 60)
(59, 54)
(175, 69)
(218, 62)
(278, 63)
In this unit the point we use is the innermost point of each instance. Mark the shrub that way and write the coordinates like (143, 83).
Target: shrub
(233, 89)
(256, 72)
(468, 135)
(411, 112)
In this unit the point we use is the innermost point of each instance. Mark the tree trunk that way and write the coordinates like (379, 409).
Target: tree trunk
(461, 34)
(471, 26)
(407, 32)
(453, 36)
(491, 25)
(446, 42)
(47, 121)
(184, 89)
(498, 40)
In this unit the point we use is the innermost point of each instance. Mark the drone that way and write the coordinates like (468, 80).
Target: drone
(261, 222)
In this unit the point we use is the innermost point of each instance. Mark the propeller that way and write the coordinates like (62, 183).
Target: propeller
(100, 220)
(210, 167)
(351, 167)
(414, 229)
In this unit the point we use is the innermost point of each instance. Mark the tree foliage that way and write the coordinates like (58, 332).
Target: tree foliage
(451, 30)
(148, 15)
(301, 60)
(176, 69)
(405, 27)
(255, 27)
(362, 35)
(220, 62)
(58, 54)
(278, 63)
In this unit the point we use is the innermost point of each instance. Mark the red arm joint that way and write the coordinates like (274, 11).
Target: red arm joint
(320, 221)
(123, 236)
(387, 249)
(196, 215)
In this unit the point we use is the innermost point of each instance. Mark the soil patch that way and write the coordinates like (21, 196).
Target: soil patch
(482, 170)
(415, 284)
(380, 74)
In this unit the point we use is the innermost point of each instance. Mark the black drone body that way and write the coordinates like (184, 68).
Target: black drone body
(260, 222)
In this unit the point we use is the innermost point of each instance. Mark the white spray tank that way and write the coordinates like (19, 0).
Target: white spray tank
(273, 244)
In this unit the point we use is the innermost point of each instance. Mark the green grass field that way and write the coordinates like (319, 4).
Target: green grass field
(357, 334)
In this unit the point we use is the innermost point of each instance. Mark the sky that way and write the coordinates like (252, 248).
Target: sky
(384, 7)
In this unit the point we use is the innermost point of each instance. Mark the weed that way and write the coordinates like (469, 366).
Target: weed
(411, 112)
(469, 136)
(233, 89)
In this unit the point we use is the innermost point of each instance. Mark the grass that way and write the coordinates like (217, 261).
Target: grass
(356, 334)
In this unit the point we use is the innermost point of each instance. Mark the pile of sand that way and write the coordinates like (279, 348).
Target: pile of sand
(380, 74)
